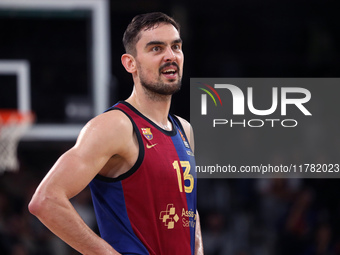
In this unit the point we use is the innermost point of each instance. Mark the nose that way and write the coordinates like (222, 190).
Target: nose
(169, 55)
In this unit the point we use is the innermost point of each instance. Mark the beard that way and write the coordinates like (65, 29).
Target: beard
(160, 88)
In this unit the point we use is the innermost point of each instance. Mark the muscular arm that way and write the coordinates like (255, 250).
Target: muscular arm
(71, 174)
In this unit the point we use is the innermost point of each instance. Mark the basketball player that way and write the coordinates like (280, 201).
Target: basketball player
(136, 157)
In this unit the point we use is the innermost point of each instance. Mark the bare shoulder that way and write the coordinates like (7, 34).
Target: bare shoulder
(102, 137)
(112, 119)
(109, 126)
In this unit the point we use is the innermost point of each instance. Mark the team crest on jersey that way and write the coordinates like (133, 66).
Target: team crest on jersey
(147, 133)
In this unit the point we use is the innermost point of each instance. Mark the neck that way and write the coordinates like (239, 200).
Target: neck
(154, 107)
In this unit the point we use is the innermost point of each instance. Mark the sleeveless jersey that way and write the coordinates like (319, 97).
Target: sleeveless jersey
(151, 209)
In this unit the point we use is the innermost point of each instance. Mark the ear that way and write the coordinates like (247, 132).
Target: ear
(129, 63)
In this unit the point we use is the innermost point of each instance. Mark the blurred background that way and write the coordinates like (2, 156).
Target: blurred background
(74, 73)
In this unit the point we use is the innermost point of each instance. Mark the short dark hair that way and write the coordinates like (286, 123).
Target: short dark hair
(144, 21)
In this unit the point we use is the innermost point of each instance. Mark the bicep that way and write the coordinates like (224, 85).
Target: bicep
(96, 144)
(70, 174)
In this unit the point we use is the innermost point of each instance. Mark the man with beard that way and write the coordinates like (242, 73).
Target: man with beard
(136, 158)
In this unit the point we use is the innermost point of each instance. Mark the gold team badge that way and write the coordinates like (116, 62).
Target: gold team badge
(147, 133)
(169, 216)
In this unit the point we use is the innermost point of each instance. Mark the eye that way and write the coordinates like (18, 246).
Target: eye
(155, 48)
(176, 47)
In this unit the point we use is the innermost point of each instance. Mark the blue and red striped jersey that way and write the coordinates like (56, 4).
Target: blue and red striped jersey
(151, 209)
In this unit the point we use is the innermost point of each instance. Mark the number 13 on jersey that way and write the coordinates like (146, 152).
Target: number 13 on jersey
(186, 176)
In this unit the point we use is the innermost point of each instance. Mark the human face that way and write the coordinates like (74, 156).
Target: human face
(159, 59)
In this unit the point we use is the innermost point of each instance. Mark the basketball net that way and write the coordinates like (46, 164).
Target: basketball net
(13, 125)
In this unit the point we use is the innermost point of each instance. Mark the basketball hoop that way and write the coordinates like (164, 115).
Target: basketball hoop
(13, 125)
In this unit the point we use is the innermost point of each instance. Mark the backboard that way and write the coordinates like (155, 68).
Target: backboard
(55, 61)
